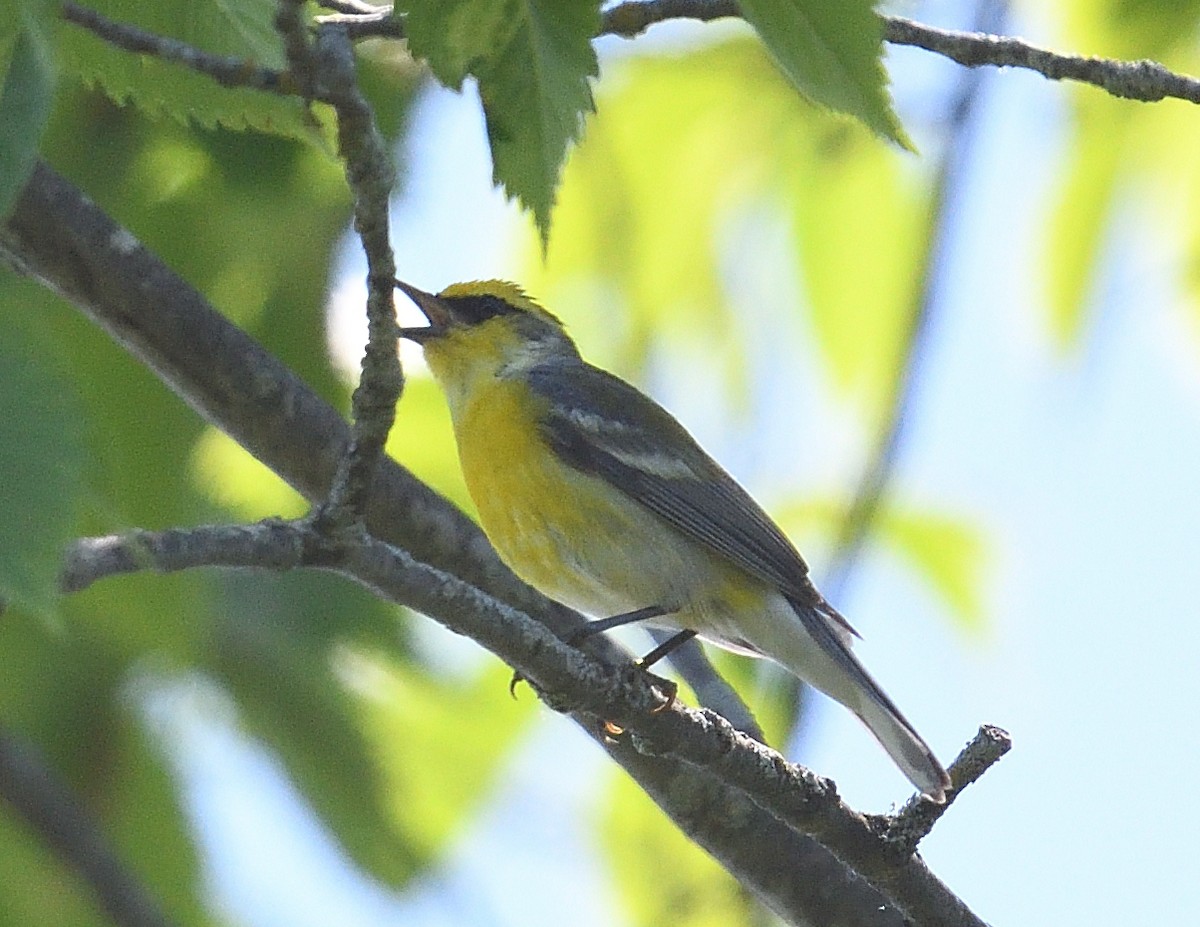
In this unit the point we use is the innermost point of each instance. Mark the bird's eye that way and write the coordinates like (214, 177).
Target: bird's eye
(471, 310)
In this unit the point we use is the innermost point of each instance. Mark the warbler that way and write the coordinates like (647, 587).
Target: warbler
(596, 496)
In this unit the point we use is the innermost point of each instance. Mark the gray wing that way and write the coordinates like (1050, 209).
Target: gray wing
(601, 425)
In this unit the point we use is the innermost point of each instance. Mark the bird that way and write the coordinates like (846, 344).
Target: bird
(595, 495)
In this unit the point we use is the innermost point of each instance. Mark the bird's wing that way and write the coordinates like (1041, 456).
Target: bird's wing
(601, 425)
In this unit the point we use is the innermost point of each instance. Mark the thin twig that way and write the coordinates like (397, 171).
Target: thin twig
(908, 826)
(630, 19)
(1144, 80)
(272, 545)
(1147, 81)
(229, 72)
(327, 67)
(50, 807)
(1136, 80)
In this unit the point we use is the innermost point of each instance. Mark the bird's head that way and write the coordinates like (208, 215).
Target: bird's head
(484, 328)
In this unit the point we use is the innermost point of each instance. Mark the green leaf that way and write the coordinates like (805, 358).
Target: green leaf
(533, 59)
(948, 553)
(24, 105)
(458, 36)
(440, 745)
(41, 464)
(832, 51)
(1097, 158)
(861, 228)
(240, 30)
(659, 875)
(535, 95)
(273, 650)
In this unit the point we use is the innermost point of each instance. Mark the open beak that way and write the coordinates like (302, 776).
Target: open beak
(435, 310)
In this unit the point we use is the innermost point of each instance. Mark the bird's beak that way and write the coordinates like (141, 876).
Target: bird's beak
(435, 310)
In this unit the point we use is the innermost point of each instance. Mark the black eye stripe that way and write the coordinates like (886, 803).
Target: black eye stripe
(471, 310)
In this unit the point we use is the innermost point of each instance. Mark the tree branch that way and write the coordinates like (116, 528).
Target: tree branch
(58, 235)
(909, 826)
(1144, 80)
(49, 806)
(591, 691)
(327, 68)
(229, 72)
(1147, 81)
(271, 545)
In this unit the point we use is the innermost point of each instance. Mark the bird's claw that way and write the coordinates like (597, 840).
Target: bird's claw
(516, 680)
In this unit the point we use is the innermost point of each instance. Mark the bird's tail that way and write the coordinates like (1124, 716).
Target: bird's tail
(903, 744)
(840, 676)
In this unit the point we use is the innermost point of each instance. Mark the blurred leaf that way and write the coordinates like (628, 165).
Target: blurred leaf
(41, 465)
(533, 59)
(36, 887)
(721, 120)
(679, 144)
(660, 876)
(949, 554)
(26, 97)
(64, 693)
(439, 744)
(1095, 162)
(273, 651)
(861, 223)
(240, 30)
(237, 481)
(833, 53)
(1115, 144)
(1131, 29)
(423, 440)
(134, 438)
(145, 819)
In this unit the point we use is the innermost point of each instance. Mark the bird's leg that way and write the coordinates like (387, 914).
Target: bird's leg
(615, 621)
(669, 688)
(669, 646)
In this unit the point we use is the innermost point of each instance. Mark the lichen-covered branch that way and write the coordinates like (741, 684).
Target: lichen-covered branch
(1147, 81)
(908, 826)
(594, 692)
(1136, 80)
(325, 67)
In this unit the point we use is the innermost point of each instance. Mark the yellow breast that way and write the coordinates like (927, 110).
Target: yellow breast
(523, 493)
(571, 535)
